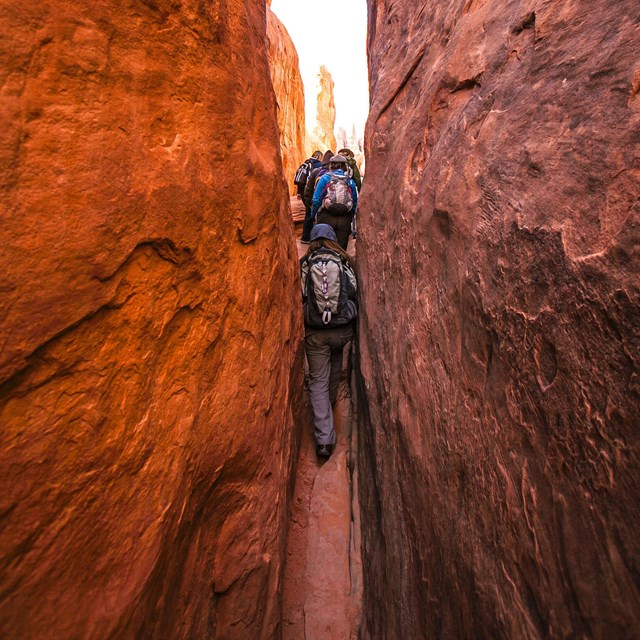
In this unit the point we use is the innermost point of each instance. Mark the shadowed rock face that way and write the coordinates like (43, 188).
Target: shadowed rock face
(149, 329)
(287, 83)
(499, 337)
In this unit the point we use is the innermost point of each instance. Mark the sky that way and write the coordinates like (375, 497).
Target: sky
(332, 33)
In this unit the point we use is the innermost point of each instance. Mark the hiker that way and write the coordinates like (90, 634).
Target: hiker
(335, 200)
(353, 166)
(300, 180)
(313, 178)
(329, 301)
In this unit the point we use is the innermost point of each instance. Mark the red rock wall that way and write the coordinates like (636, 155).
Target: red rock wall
(149, 325)
(287, 83)
(500, 330)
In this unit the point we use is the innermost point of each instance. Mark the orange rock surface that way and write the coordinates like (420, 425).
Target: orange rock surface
(323, 135)
(150, 323)
(499, 259)
(287, 83)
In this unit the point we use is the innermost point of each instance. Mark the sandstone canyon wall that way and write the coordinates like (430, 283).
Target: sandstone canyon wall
(149, 330)
(499, 255)
(287, 84)
(323, 136)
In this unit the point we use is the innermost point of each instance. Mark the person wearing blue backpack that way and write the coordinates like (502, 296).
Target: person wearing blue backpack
(335, 200)
(315, 176)
(329, 290)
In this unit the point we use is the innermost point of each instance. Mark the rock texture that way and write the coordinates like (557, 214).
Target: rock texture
(287, 83)
(323, 136)
(499, 258)
(149, 360)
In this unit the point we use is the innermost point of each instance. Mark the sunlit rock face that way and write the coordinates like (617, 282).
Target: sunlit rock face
(323, 135)
(287, 83)
(499, 336)
(149, 325)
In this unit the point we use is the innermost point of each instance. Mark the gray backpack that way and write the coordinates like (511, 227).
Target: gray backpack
(328, 290)
(337, 197)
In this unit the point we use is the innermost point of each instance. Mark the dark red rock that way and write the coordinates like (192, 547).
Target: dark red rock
(500, 330)
(150, 324)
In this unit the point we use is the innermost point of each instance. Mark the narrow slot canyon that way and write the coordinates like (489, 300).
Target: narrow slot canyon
(322, 588)
(158, 467)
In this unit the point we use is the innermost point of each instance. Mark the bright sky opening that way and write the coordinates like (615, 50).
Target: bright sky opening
(332, 33)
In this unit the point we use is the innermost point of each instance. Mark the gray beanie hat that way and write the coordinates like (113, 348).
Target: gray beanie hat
(339, 158)
(323, 231)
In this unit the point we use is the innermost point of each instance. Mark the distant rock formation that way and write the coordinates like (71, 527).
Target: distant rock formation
(500, 336)
(149, 366)
(287, 84)
(323, 135)
(353, 142)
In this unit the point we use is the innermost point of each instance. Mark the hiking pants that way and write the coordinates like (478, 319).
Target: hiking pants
(324, 355)
(341, 225)
(308, 224)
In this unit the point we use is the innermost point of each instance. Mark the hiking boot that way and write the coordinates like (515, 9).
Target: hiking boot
(304, 242)
(324, 450)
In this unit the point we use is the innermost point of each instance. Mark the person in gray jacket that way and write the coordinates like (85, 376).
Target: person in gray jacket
(329, 289)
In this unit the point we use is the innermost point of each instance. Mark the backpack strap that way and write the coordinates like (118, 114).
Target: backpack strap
(326, 186)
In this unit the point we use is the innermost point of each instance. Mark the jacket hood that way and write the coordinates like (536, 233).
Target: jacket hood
(326, 158)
